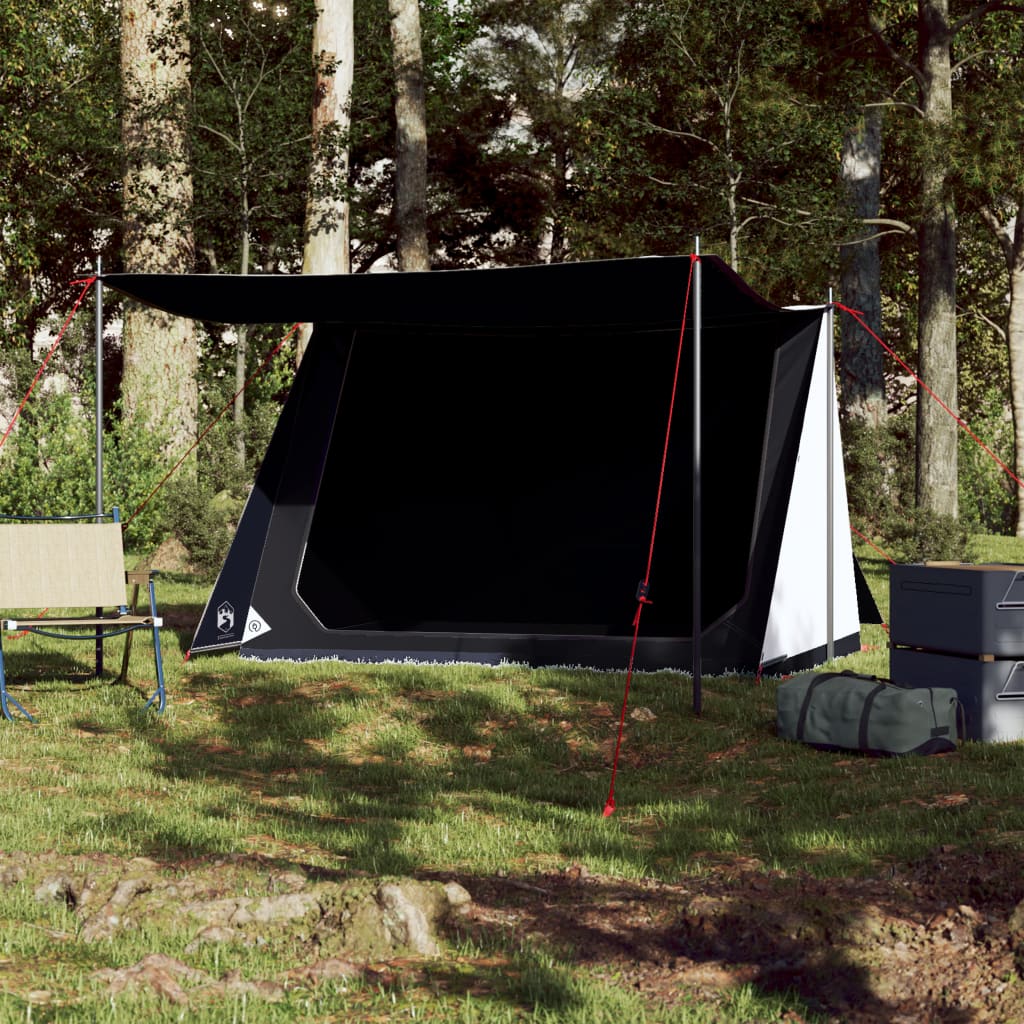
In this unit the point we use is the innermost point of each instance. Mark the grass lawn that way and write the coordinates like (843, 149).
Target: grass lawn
(412, 770)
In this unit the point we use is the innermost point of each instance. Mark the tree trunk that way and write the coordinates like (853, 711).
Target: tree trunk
(242, 335)
(326, 246)
(160, 352)
(410, 136)
(862, 363)
(936, 429)
(559, 242)
(1015, 340)
(1010, 237)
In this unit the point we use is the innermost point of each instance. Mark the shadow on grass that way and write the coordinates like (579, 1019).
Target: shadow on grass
(507, 752)
(27, 668)
(36, 674)
(180, 620)
(270, 749)
(418, 748)
(783, 939)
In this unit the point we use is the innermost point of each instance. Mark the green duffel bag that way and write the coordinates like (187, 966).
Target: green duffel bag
(845, 711)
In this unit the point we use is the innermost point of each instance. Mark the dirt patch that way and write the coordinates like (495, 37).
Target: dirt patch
(942, 940)
(939, 940)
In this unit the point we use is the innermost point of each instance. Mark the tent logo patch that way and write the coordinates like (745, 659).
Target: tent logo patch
(225, 618)
(255, 625)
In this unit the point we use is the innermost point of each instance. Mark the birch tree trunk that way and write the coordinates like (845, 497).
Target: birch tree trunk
(326, 246)
(862, 365)
(160, 351)
(410, 136)
(936, 429)
(1015, 340)
(1010, 237)
(242, 335)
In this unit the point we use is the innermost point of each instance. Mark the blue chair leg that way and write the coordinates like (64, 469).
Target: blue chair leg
(6, 700)
(160, 695)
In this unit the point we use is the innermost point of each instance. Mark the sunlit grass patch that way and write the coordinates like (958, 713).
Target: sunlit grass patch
(447, 770)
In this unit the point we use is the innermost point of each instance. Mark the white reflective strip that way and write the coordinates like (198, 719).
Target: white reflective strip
(158, 622)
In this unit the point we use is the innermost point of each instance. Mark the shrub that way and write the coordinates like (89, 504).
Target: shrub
(48, 461)
(133, 467)
(917, 535)
(987, 494)
(204, 521)
(880, 491)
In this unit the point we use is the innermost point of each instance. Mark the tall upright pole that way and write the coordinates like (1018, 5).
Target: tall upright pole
(830, 400)
(697, 502)
(99, 429)
(99, 385)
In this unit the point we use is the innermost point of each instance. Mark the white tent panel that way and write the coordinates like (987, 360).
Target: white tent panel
(798, 615)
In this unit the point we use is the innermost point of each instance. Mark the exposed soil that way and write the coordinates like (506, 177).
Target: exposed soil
(940, 940)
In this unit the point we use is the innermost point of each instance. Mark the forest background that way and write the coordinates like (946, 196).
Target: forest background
(869, 150)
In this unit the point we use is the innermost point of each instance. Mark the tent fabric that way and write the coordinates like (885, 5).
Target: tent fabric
(604, 294)
(466, 466)
(805, 541)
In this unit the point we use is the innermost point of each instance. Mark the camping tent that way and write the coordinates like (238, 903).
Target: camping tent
(467, 464)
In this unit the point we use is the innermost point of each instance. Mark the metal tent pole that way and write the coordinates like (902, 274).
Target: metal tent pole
(99, 429)
(830, 399)
(697, 502)
(99, 385)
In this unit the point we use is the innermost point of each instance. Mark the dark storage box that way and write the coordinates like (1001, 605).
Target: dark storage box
(990, 692)
(958, 608)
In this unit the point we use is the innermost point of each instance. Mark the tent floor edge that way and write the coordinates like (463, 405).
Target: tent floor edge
(812, 659)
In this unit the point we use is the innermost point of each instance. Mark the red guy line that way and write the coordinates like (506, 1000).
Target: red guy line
(25, 632)
(609, 807)
(871, 543)
(859, 317)
(87, 283)
(167, 476)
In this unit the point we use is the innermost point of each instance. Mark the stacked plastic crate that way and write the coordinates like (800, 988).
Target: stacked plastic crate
(960, 625)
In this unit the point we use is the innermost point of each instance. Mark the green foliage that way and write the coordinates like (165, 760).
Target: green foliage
(204, 521)
(988, 157)
(705, 125)
(983, 356)
(488, 183)
(266, 387)
(880, 491)
(134, 464)
(546, 55)
(48, 461)
(583, 129)
(987, 495)
(49, 468)
(200, 503)
(59, 152)
(252, 92)
(918, 535)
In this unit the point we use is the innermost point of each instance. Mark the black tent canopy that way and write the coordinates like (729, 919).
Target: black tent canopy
(467, 463)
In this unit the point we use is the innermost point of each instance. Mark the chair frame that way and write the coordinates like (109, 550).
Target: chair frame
(47, 561)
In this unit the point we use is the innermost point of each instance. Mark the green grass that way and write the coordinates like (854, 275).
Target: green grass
(405, 769)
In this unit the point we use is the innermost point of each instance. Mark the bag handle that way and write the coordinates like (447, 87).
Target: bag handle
(865, 713)
(801, 721)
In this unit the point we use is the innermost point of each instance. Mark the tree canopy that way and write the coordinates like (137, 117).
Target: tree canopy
(563, 130)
